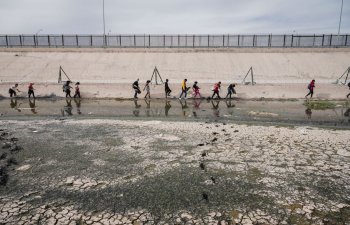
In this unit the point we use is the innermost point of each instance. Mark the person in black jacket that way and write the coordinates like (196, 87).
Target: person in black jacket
(136, 88)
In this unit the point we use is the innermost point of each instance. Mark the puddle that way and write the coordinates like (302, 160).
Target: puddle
(270, 112)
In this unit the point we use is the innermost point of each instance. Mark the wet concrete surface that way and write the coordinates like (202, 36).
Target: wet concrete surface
(105, 165)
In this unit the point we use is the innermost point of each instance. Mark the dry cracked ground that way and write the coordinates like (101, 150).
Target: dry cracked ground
(157, 172)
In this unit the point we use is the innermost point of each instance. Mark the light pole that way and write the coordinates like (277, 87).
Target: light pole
(104, 22)
(341, 13)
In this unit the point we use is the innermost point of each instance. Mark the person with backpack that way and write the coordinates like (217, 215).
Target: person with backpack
(31, 90)
(195, 89)
(349, 92)
(136, 88)
(184, 89)
(231, 90)
(148, 89)
(13, 89)
(66, 88)
(77, 90)
(216, 90)
(167, 89)
(311, 87)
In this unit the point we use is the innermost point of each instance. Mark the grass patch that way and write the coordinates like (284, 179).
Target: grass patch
(320, 105)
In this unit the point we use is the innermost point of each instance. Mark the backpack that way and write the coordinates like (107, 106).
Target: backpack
(308, 86)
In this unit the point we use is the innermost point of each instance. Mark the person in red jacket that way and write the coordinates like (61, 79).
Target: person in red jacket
(217, 87)
(31, 90)
(311, 87)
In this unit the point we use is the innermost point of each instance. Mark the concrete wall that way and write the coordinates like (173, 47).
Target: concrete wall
(120, 67)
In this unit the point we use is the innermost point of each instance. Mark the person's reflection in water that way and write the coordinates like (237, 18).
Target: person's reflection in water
(77, 103)
(14, 106)
(136, 111)
(148, 107)
(68, 108)
(167, 107)
(216, 111)
(229, 104)
(196, 104)
(347, 114)
(32, 106)
(308, 113)
(184, 107)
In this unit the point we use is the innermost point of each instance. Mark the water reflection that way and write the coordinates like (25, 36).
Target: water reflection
(216, 111)
(32, 106)
(78, 104)
(67, 109)
(13, 105)
(136, 110)
(167, 107)
(291, 112)
(308, 113)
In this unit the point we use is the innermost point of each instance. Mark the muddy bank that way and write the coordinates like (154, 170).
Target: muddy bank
(152, 171)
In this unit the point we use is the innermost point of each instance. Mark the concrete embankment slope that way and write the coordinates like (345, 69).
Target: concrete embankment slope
(279, 73)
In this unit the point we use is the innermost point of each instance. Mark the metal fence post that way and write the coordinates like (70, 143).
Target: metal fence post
(20, 40)
(322, 40)
(193, 41)
(178, 41)
(292, 41)
(76, 38)
(91, 40)
(269, 42)
(48, 40)
(238, 41)
(149, 41)
(254, 40)
(34, 40)
(7, 41)
(330, 42)
(223, 40)
(228, 40)
(284, 41)
(208, 41)
(346, 40)
(62, 41)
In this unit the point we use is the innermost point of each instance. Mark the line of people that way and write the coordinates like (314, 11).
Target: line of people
(184, 89)
(66, 88)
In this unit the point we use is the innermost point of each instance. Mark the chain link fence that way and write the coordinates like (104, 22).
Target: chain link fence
(175, 41)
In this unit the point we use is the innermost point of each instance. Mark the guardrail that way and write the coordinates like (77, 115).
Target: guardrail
(175, 41)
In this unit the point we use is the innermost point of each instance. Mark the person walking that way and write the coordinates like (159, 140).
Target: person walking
(349, 92)
(77, 90)
(195, 89)
(66, 88)
(231, 90)
(167, 89)
(216, 90)
(13, 89)
(184, 89)
(136, 88)
(148, 89)
(311, 87)
(31, 90)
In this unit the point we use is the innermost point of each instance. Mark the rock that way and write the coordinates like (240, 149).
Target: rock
(24, 167)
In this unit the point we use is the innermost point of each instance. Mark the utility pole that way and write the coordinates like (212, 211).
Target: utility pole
(104, 23)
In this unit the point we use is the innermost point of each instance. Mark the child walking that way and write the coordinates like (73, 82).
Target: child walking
(167, 89)
(217, 87)
(196, 90)
(147, 88)
(231, 90)
(77, 90)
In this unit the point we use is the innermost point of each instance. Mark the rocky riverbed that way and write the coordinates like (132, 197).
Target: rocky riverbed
(101, 171)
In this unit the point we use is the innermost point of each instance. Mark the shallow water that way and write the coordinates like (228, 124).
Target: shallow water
(254, 112)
